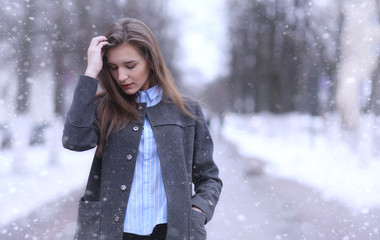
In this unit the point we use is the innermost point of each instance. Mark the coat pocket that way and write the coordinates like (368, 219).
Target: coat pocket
(88, 223)
(198, 230)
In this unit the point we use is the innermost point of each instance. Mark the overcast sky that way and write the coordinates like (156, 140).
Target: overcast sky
(203, 30)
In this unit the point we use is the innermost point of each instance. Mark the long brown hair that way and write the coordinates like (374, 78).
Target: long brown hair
(115, 108)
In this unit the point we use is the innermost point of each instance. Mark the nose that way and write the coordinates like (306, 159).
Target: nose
(122, 75)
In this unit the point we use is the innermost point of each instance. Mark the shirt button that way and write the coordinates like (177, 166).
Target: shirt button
(129, 157)
(123, 187)
(116, 219)
(135, 128)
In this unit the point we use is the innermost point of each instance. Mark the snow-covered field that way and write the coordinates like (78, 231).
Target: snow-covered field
(314, 152)
(34, 180)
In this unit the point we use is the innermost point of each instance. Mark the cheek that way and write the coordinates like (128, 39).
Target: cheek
(140, 74)
(146, 72)
(146, 75)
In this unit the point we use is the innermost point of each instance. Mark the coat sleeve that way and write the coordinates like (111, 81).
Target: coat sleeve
(207, 184)
(80, 132)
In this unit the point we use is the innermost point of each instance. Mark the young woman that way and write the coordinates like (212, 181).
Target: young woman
(153, 174)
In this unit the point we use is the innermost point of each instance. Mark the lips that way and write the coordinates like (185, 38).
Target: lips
(126, 86)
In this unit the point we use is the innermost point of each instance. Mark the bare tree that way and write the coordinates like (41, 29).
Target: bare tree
(358, 60)
(59, 49)
(373, 102)
(24, 61)
(273, 56)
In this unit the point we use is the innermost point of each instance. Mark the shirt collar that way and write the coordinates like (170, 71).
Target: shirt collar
(150, 94)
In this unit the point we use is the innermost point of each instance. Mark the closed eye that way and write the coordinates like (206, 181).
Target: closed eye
(132, 66)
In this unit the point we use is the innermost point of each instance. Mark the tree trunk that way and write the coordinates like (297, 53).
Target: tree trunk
(24, 65)
(59, 48)
(373, 104)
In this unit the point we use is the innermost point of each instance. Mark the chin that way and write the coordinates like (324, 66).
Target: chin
(130, 92)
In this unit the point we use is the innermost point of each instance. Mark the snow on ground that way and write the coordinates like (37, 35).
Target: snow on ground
(38, 182)
(312, 151)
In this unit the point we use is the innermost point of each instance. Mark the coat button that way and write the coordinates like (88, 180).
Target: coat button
(123, 187)
(129, 157)
(135, 128)
(116, 219)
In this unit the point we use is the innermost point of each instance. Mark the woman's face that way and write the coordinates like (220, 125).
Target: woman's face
(128, 67)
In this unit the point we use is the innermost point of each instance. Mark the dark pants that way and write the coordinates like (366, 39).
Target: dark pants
(159, 233)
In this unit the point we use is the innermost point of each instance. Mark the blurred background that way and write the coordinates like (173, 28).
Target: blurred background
(290, 88)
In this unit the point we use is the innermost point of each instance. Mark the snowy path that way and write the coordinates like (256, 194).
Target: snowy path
(258, 206)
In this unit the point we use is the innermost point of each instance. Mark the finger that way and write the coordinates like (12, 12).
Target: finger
(102, 44)
(96, 40)
(100, 38)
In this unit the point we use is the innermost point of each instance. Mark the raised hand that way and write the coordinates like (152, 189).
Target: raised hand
(95, 56)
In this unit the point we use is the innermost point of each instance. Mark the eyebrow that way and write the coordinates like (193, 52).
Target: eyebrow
(127, 62)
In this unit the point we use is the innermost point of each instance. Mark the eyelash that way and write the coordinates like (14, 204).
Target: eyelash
(115, 68)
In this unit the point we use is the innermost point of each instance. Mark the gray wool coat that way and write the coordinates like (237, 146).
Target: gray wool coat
(185, 148)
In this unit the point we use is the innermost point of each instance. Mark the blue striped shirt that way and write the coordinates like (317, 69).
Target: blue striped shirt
(147, 205)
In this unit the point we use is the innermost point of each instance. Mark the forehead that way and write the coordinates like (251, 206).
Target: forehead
(123, 52)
